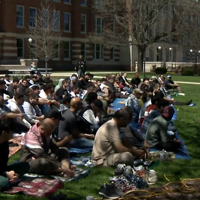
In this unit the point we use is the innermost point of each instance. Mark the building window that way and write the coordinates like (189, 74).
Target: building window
(112, 54)
(56, 20)
(20, 16)
(20, 48)
(99, 4)
(57, 51)
(67, 21)
(56, 1)
(67, 1)
(83, 2)
(45, 18)
(98, 51)
(32, 17)
(83, 49)
(83, 23)
(99, 25)
(66, 50)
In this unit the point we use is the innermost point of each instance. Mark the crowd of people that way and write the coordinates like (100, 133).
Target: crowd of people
(79, 113)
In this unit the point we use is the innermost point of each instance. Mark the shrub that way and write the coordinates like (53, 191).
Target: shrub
(187, 71)
(170, 73)
(153, 68)
(161, 70)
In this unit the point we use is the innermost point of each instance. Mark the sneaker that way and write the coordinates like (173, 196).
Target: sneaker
(151, 177)
(120, 169)
(122, 184)
(128, 171)
(139, 182)
(110, 191)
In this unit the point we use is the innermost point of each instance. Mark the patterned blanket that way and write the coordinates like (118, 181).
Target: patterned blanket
(39, 187)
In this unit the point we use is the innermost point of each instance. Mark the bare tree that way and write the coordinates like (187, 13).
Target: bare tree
(44, 33)
(140, 23)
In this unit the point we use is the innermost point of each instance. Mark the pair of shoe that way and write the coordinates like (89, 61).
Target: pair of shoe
(127, 171)
(110, 191)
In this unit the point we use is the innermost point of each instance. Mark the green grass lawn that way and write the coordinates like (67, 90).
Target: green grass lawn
(188, 125)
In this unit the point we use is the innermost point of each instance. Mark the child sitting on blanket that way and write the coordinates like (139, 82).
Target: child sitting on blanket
(9, 174)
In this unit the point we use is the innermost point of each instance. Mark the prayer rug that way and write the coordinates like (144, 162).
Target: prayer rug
(39, 187)
(79, 173)
(82, 161)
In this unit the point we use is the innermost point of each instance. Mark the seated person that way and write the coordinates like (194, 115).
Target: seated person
(31, 108)
(170, 85)
(15, 105)
(133, 102)
(92, 114)
(108, 149)
(162, 103)
(69, 129)
(135, 81)
(36, 145)
(157, 137)
(65, 104)
(129, 136)
(62, 91)
(8, 173)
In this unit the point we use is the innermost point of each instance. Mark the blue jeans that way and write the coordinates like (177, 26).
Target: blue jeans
(82, 143)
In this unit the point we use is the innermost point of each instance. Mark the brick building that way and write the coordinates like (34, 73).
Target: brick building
(75, 21)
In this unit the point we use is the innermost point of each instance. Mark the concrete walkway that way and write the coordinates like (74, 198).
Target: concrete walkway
(57, 74)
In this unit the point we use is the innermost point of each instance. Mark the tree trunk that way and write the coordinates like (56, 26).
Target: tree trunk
(141, 52)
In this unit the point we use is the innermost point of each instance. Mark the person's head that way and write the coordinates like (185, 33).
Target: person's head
(19, 98)
(75, 89)
(47, 127)
(25, 83)
(2, 84)
(34, 78)
(156, 88)
(111, 97)
(168, 112)
(6, 130)
(91, 97)
(154, 100)
(76, 104)
(15, 82)
(7, 77)
(111, 79)
(98, 82)
(104, 80)
(33, 63)
(47, 88)
(121, 117)
(56, 116)
(66, 100)
(39, 75)
(97, 106)
(159, 94)
(66, 83)
(136, 75)
(169, 77)
(33, 99)
(91, 88)
(28, 91)
(137, 93)
(129, 110)
(35, 89)
(146, 81)
(161, 104)
(120, 74)
(81, 57)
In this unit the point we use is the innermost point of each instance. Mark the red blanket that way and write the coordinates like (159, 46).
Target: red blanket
(37, 187)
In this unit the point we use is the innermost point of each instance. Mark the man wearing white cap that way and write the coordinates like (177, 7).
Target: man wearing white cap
(170, 85)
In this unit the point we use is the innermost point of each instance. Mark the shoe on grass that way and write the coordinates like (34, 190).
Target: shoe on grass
(120, 169)
(110, 191)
